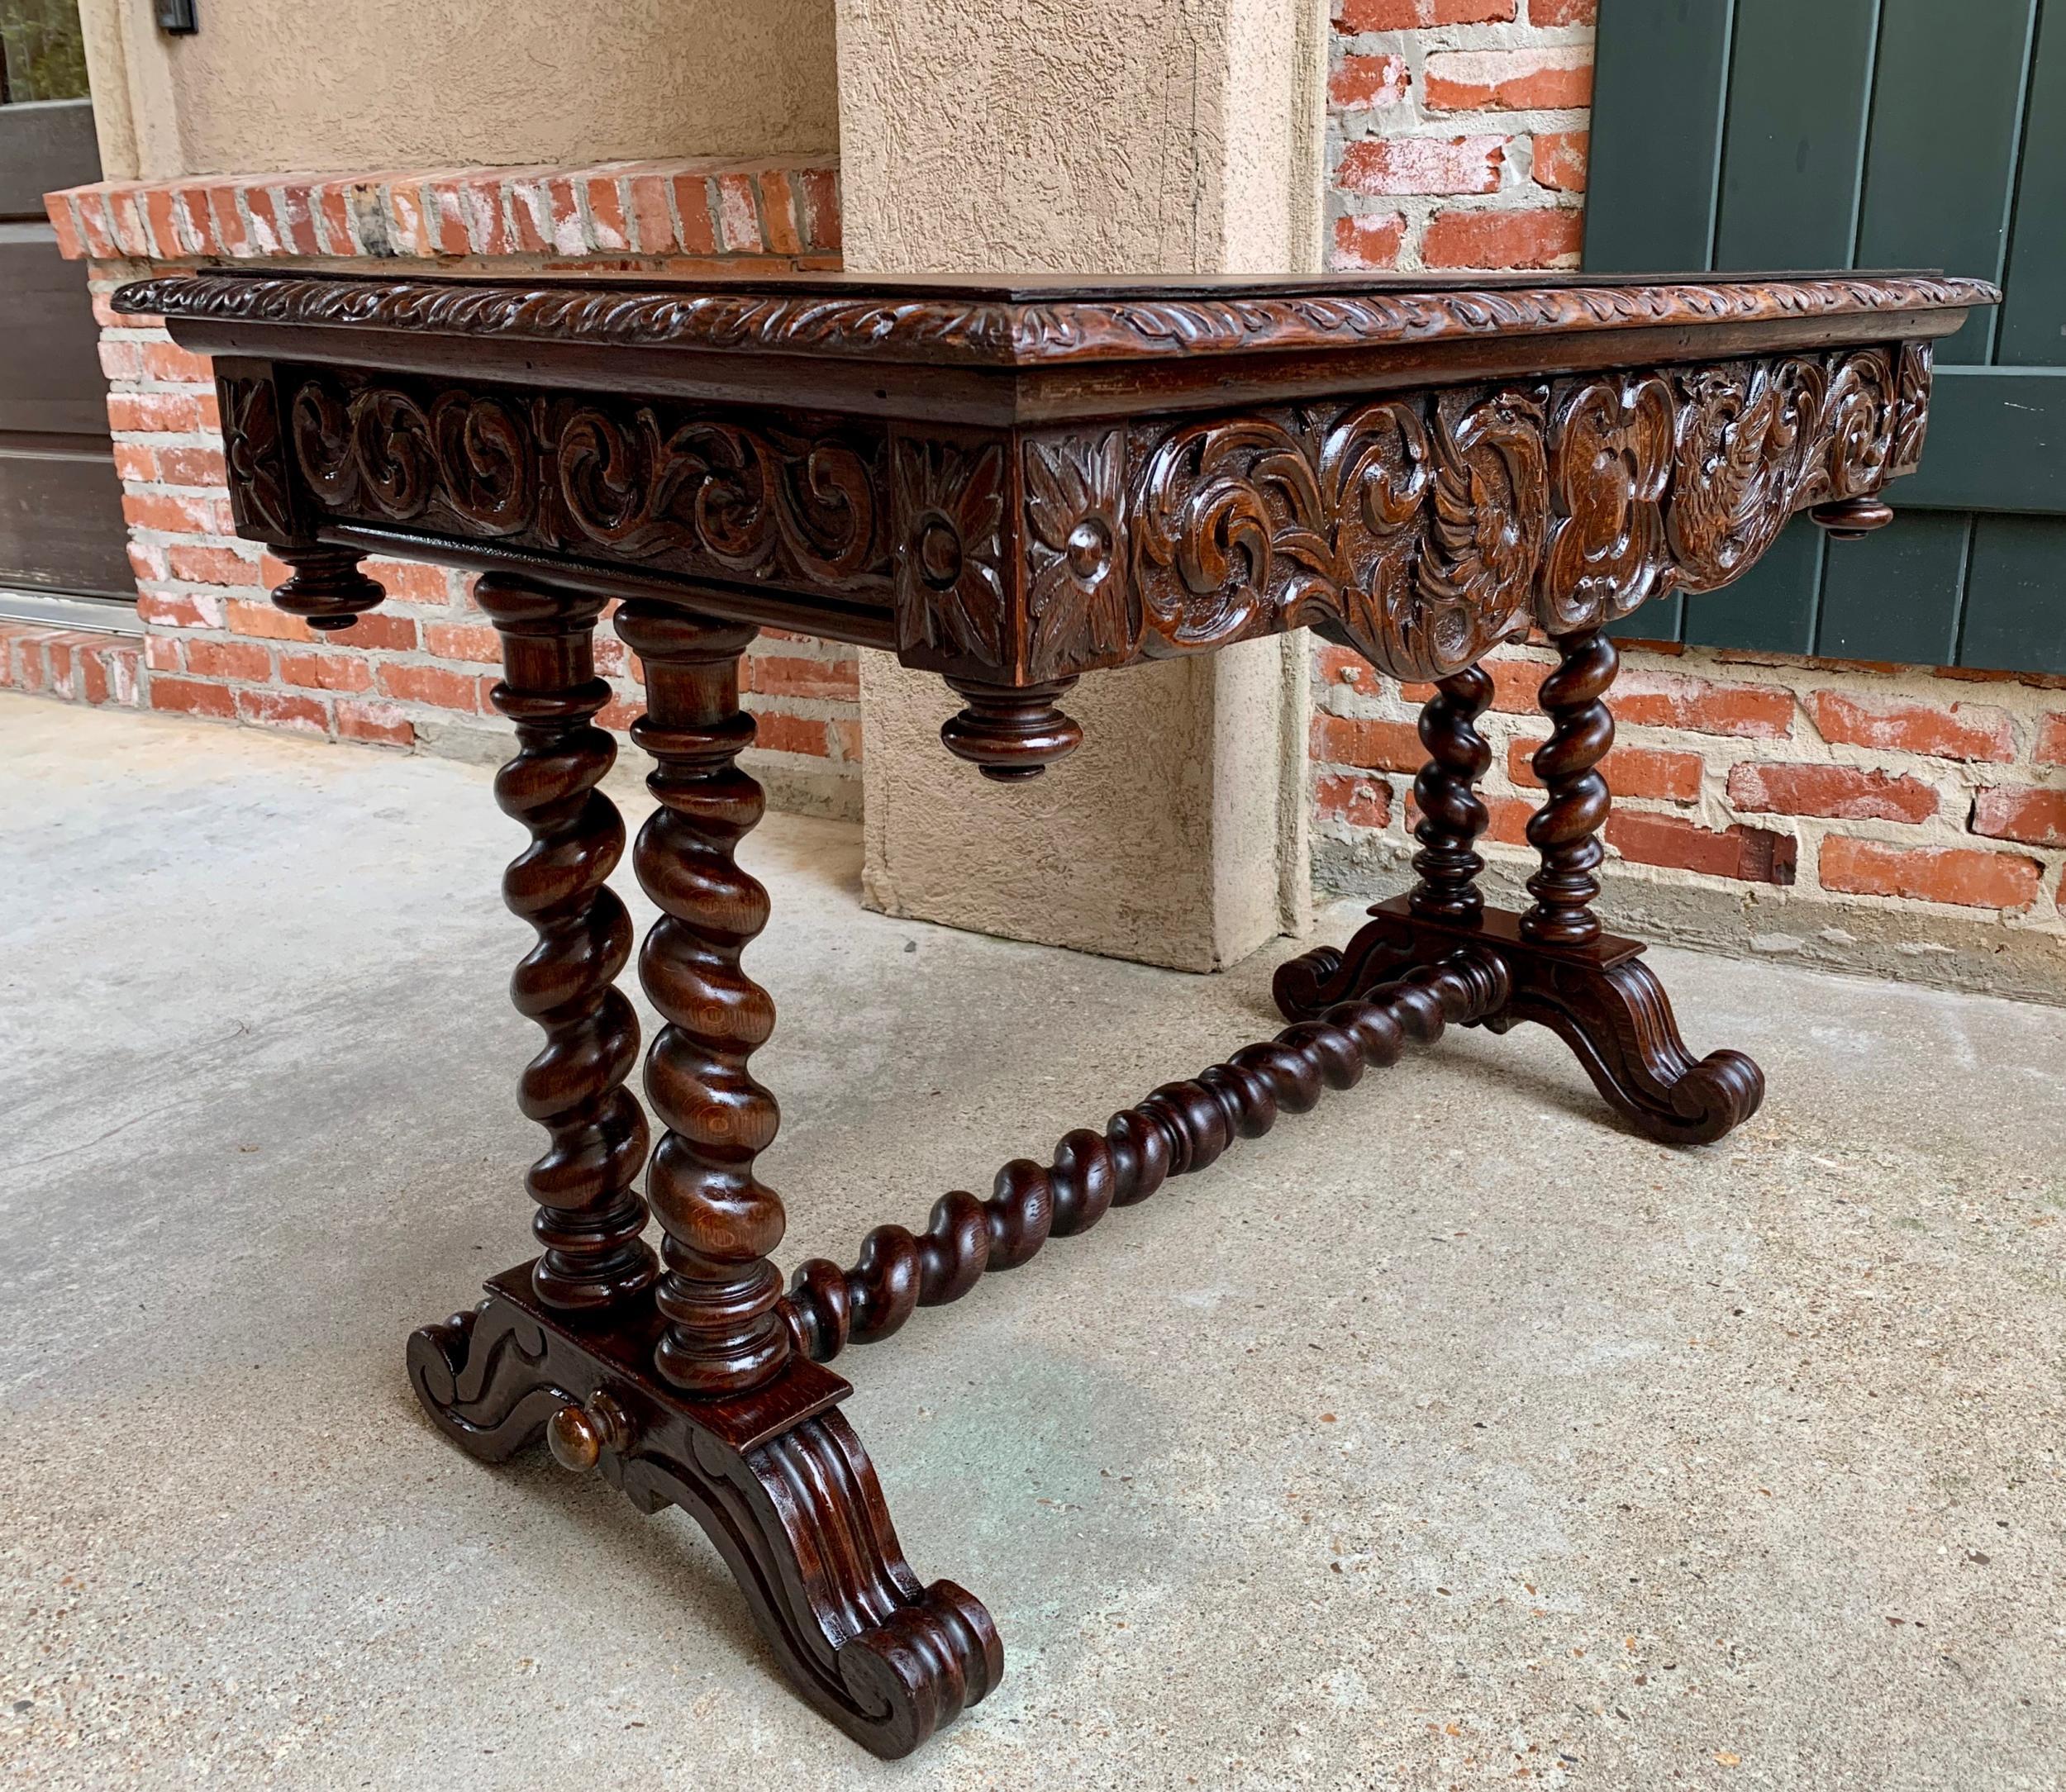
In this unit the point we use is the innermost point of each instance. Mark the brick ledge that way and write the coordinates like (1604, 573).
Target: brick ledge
(77, 665)
(786, 207)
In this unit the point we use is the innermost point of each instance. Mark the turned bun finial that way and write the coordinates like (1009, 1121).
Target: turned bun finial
(327, 590)
(1011, 733)
(1852, 518)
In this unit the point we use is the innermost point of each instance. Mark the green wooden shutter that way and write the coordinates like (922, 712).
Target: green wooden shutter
(1751, 134)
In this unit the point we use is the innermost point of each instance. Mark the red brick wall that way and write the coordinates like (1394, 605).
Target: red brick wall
(1457, 138)
(1901, 786)
(72, 664)
(1457, 132)
(415, 673)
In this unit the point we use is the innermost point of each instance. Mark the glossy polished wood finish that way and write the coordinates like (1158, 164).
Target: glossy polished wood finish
(776, 1478)
(1025, 483)
(1180, 1128)
(1452, 816)
(1012, 487)
(1565, 830)
(590, 1219)
(1598, 997)
(722, 1222)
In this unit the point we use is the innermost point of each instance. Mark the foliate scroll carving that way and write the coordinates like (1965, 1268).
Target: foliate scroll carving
(1611, 457)
(1079, 599)
(1911, 414)
(750, 498)
(948, 508)
(1270, 520)
(790, 500)
(383, 450)
(1428, 527)
(1858, 428)
(255, 455)
(1746, 432)
(1421, 526)
(1412, 525)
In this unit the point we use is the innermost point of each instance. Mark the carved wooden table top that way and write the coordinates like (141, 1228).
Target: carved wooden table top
(1016, 484)
(1012, 485)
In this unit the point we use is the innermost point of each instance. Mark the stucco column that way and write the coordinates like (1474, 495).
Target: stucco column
(1133, 136)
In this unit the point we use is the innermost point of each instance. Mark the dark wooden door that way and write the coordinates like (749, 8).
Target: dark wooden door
(61, 528)
(1742, 134)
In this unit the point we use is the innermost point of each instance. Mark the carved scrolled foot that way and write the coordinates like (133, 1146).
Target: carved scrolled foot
(1011, 733)
(1618, 1021)
(480, 1376)
(774, 1475)
(1598, 997)
(802, 1525)
(1305, 988)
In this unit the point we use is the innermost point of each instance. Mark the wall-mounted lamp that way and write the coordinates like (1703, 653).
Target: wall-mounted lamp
(177, 18)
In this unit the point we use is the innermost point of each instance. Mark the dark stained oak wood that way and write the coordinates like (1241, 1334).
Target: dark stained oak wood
(1598, 997)
(1024, 483)
(1181, 1127)
(1452, 816)
(590, 1219)
(1015, 486)
(722, 1222)
(778, 1480)
(1565, 830)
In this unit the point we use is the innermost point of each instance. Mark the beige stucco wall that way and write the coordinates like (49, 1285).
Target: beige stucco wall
(366, 84)
(1134, 136)
(1141, 135)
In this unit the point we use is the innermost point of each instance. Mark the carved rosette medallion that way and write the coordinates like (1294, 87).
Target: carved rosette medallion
(1079, 600)
(947, 506)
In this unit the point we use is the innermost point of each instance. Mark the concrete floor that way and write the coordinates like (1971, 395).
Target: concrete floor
(1448, 1436)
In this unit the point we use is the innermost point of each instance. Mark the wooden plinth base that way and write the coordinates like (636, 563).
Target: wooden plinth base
(776, 1477)
(1599, 998)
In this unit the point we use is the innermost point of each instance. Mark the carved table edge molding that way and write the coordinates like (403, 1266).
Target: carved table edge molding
(987, 329)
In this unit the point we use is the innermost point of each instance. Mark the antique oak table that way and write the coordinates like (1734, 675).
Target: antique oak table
(1011, 485)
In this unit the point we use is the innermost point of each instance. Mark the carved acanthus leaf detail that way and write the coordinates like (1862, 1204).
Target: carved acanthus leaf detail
(1911, 415)
(1274, 519)
(1858, 428)
(1412, 526)
(1423, 527)
(1746, 434)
